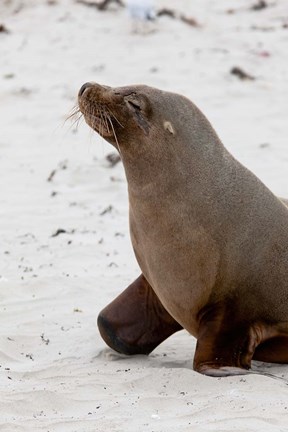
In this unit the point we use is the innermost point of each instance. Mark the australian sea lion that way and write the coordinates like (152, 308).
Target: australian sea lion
(211, 240)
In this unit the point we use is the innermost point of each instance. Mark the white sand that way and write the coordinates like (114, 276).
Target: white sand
(56, 373)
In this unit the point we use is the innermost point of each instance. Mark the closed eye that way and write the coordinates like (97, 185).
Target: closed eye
(134, 104)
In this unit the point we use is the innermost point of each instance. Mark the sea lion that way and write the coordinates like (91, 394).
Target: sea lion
(210, 238)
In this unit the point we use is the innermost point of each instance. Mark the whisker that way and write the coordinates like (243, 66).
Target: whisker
(75, 110)
(101, 122)
(80, 119)
(73, 113)
(106, 123)
(93, 115)
(115, 136)
(76, 121)
(113, 115)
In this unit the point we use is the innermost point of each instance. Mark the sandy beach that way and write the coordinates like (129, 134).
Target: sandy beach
(65, 247)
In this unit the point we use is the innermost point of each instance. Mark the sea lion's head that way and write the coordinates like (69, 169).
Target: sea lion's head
(136, 114)
(152, 129)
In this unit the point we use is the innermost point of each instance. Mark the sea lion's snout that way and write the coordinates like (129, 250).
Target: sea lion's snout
(84, 87)
(96, 105)
(97, 88)
(116, 114)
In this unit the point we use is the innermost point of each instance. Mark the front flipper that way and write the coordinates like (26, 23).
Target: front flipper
(136, 322)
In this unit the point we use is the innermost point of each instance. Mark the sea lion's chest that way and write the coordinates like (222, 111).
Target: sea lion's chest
(178, 258)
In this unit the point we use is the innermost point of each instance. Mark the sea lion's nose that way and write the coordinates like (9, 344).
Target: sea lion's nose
(84, 87)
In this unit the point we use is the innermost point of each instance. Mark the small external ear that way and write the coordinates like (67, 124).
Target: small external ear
(168, 126)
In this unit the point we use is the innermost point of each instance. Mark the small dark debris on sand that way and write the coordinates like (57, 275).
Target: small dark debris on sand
(51, 175)
(61, 166)
(9, 76)
(62, 231)
(166, 12)
(3, 29)
(45, 340)
(173, 14)
(58, 232)
(261, 4)
(263, 28)
(30, 356)
(107, 210)
(241, 74)
(113, 159)
(100, 5)
(190, 21)
(264, 145)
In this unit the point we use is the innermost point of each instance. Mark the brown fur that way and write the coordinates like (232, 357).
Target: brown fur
(210, 239)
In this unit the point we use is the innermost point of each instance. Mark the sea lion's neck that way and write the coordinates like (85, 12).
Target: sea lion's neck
(176, 168)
